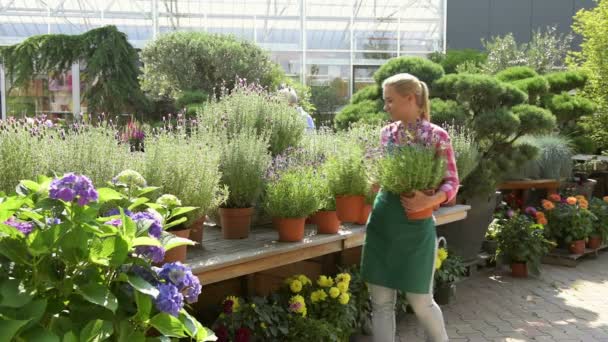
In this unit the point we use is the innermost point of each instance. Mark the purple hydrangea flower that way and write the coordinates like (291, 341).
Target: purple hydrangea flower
(156, 228)
(116, 211)
(115, 222)
(24, 227)
(51, 221)
(72, 186)
(154, 253)
(182, 277)
(169, 299)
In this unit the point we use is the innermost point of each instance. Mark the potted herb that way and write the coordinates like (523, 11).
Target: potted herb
(522, 243)
(243, 166)
(290, 199)
(570, 221)
(449, 269)
(347, 181)
(599, 235)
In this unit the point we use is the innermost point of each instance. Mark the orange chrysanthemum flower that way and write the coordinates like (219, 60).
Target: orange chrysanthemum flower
(571, 200)
(555, 197)
(548, 205)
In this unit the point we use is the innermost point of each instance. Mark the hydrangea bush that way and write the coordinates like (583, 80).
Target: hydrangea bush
(70, 269)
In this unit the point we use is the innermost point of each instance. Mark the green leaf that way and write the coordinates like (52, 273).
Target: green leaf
(189, 322)
(168, 325)
(181, 211)
(109, 251)
(42, 240)
(70, 337)
(39, 334)
(142, 286)
(144, 306)
(100, 295)
(13, 294)
(170, 241)
(107, 194)
(32, 311)
(9, 327)
(147, 190)
(137, 202)
(146, 241)
(175, 223)
(14, 249)
(128, 333)
(30, 185)
(96, 330)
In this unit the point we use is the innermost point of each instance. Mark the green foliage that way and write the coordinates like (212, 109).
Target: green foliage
(422, 68)
(453, 58)
(243, 164)
(365, 111)
(452, 270)
(569, 107)
(569, 222)
(109, 58)
(592, 25)
(409, 168)
(295, 194)
(448, 112)
(465, 148)
(595, 133)
(77, 274)
(566, 80)
(535, 87)
(497, 125)
(180, 61)
(304, 94)
(327, 98)
(521, 240)
(599, 208)
(515, 73)
(189, 97)
(534, 120)
(346, 171)
(554, 160)
(371, 92)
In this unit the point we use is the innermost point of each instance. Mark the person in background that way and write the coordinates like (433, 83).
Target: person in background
(292, 99)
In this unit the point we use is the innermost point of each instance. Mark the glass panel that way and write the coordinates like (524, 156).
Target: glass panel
(329, 69)
(373, 57)
(49, 94)
(291, 62)
(278, 35)
(420, 38)
(334, 9)
(364, 76)
(376, 35)
(328, 35)
(240, 28)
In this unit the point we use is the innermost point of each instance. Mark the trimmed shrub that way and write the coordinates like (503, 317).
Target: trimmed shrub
(365, 111)
(447, 112)
(453, 58)
(371, 92)
(422, 68)
(536, 87)
(534, 119)
(567, 107)
(515, 73)
(566, 81)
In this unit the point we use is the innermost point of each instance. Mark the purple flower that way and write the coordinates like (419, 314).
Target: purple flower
(116, 211)
(182, 277)
(24, 227)
(531, 211)
(51, 221)
(510, 213)
(72, 186)
(169, 299)
(115, 222)
(154, 253)
(156, 226)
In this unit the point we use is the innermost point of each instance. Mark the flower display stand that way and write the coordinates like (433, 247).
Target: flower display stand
(563, 257)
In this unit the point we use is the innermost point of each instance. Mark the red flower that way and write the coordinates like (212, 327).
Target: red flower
(222, 334)
(228, 306)
(242, 335)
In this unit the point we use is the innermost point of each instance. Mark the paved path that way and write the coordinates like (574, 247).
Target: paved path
(563, 304)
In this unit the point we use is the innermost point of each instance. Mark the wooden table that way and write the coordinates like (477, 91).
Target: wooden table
(220, 259)
(522, 187)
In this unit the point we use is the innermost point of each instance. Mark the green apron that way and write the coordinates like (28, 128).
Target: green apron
(398, 253)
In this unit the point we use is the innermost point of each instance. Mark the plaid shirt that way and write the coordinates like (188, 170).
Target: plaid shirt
(428, 133)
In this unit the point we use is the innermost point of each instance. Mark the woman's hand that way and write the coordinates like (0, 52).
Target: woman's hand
(421, 201)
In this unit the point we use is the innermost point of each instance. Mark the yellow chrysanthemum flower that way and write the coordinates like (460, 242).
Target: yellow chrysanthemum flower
(438, 263)
(325, 281)
(344, 298)
(304, 280)
(343, 277)
(235, 303)
(295, 286)
(334, 292)
(297, 305)
(318, 296)
(342, 286)
(442, 254)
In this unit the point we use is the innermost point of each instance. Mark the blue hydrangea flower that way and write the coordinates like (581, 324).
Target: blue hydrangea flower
(24, 227)
(154, 253)
(169, 299)
(51, 221)
(72, 186)
(182, 277)
(116, 211)
(156, 228)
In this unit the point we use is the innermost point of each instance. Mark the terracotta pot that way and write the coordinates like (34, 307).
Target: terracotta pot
(177, 253)
(519, 269)
(196, 230)
(290, 229)
(577, 247)
(235, 222)
(327, 222)
(594, 242)
(425, 213)
(349, 207)
(367, 209)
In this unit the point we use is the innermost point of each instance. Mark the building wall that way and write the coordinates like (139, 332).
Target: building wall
(470, 21)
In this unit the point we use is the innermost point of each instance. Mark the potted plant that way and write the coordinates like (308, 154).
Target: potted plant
(448, 270)
(243, 166)
(290, 199)
(599, 235)
(570, 221)
(522, 243)
(370, 197)
(347, 181)
(104, 264)
(326, 217)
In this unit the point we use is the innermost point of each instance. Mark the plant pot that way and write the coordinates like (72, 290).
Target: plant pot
(444, 292)
(490, 246)
(577, 247)
(594, 242)
(349, 207)
(425, 213)
(178, 253)
(196, 230)
(519, 269)
(327, 222)
(235, 222)
(367, 209)
(290, 229)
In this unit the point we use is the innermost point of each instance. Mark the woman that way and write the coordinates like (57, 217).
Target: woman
(399, 254)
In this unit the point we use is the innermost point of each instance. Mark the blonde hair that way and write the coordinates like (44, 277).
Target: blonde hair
(406, 84)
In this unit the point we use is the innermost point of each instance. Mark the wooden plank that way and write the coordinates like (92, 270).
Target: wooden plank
(354, 240)
(563, 257)
(529, 184)
(252, 266)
